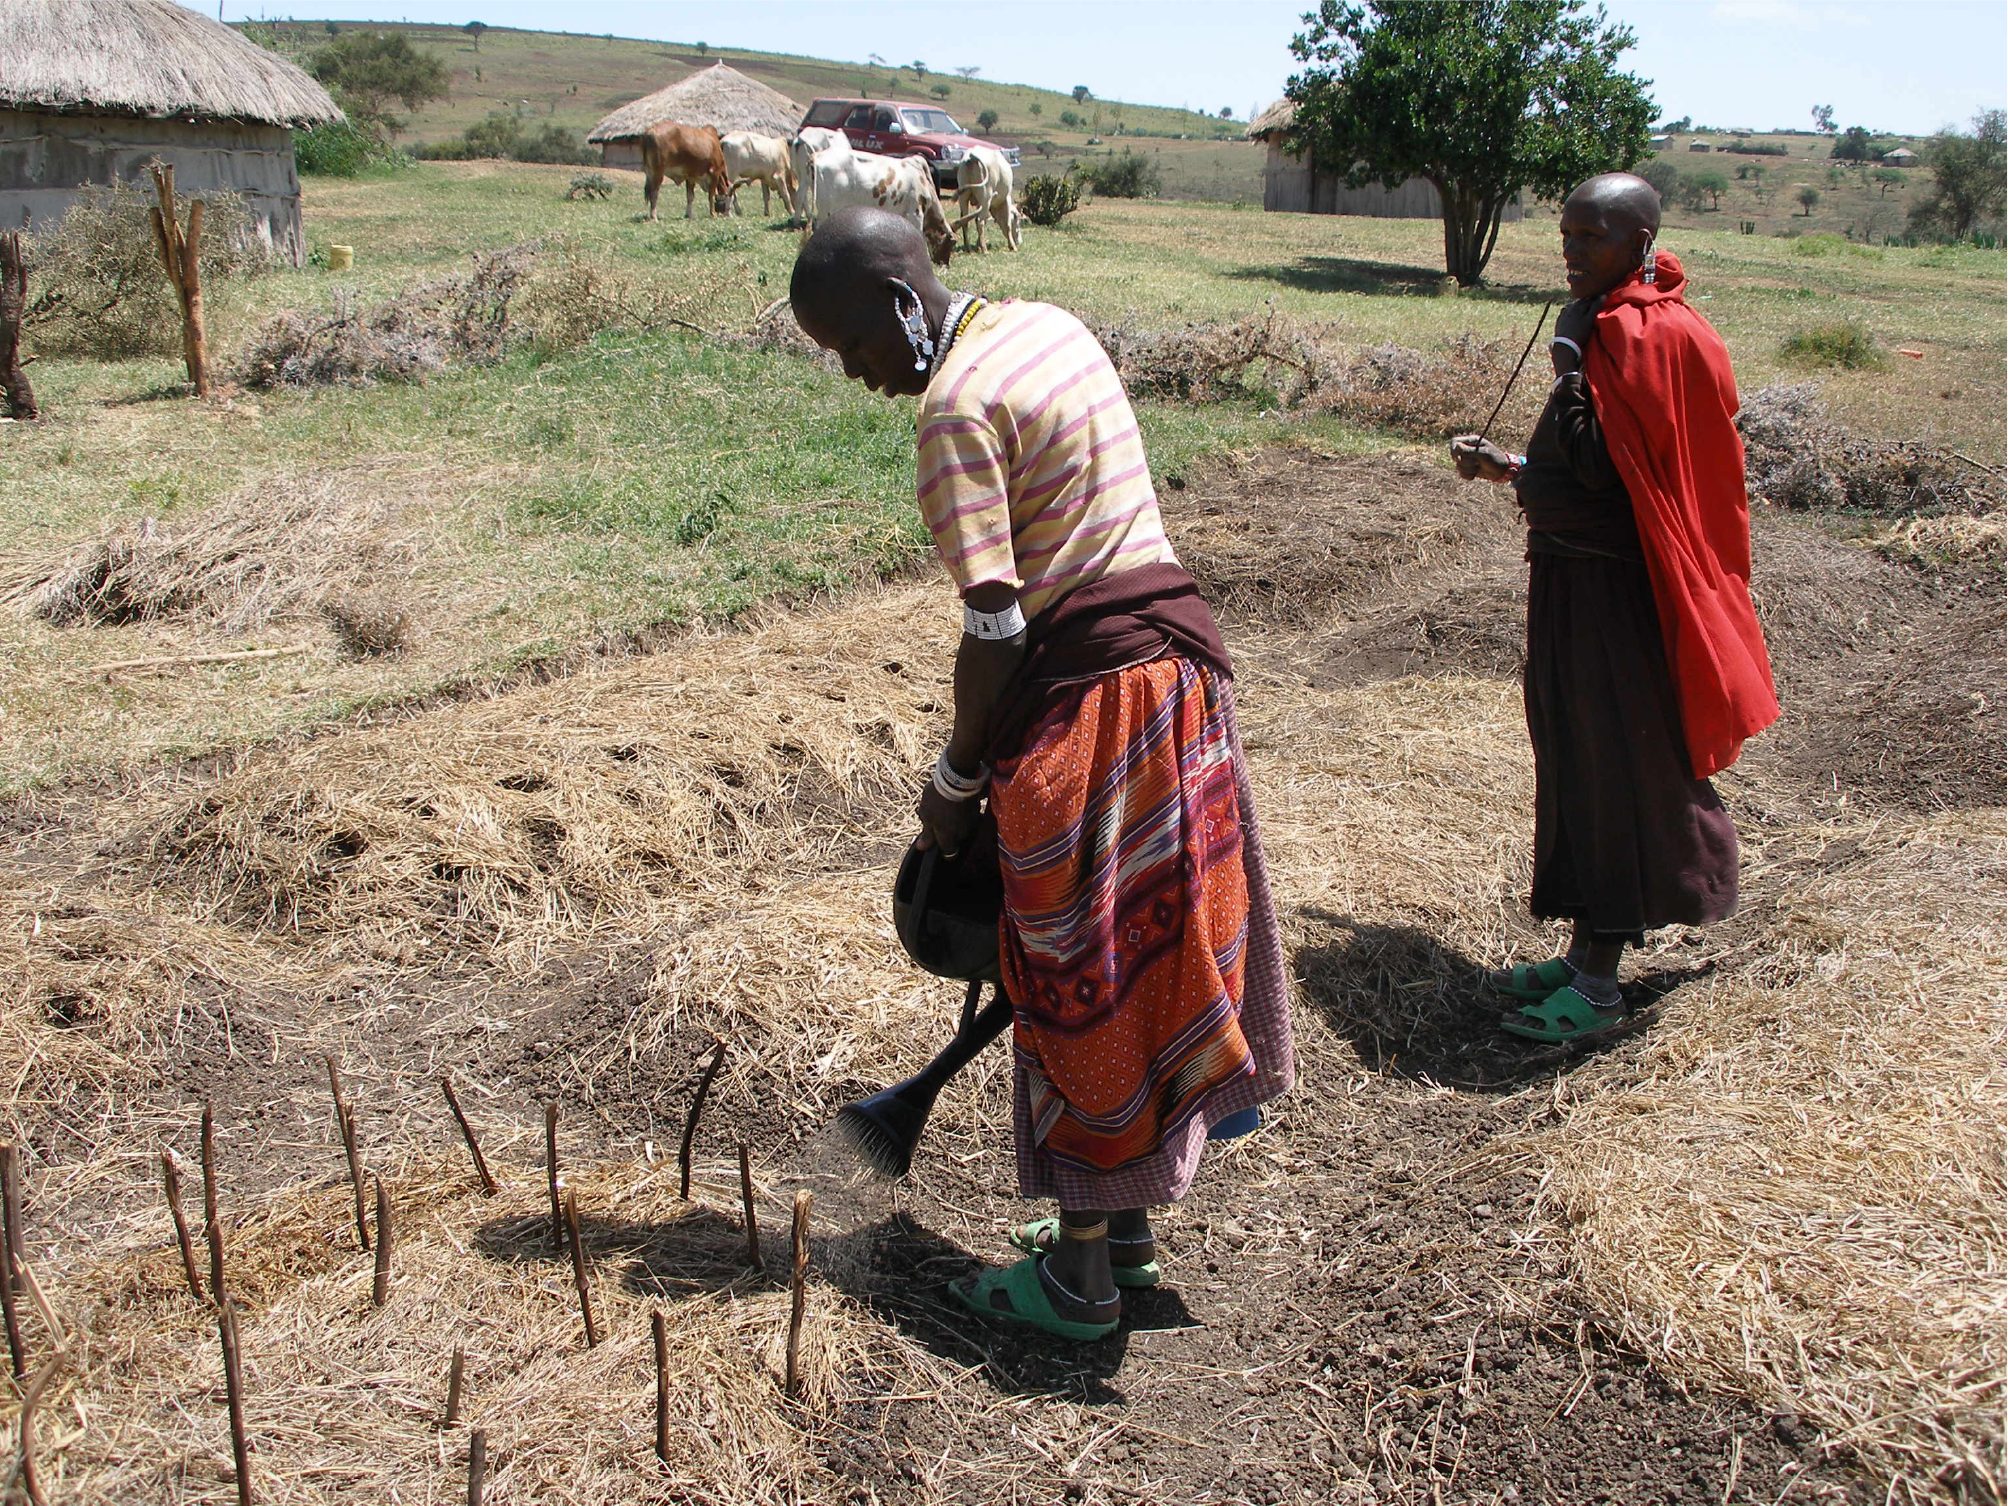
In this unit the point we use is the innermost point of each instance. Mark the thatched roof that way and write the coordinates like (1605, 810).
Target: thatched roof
(146, 57)
(1273, 121)
(720, 97)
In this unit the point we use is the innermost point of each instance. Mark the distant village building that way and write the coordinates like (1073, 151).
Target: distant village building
(1903, 156)
(1293, 183)
(1700, 146)
(719, 96)
(91, 91)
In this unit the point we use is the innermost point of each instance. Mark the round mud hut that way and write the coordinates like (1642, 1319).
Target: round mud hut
(719, 96)
(91, 91)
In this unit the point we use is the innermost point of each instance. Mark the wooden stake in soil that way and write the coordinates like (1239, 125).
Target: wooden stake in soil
(13, 307)
(799, 1293)
(209, 1167)
(233, 1385)
(477, 1466)
(579, 1269)
(660, 1329)
(214, 1235)
(181, 254)
(454, 1374)
(696, 1108)
(551, 1171)
(753, 1255)
(30, 1468)
(170, 1176)
(488, 1183)
(10, 1257)
(380, 1286)
(345, 1121)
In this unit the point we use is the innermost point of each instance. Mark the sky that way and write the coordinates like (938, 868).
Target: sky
(1906, 66)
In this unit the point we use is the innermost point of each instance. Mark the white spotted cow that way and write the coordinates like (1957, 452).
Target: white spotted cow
(765, 159)
(848, 179)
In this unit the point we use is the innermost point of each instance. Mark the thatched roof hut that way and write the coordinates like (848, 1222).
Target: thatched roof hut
(1294, 183)
(719, 96)
(93, 90)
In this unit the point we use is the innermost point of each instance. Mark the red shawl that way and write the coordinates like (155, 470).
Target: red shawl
(1660, 379)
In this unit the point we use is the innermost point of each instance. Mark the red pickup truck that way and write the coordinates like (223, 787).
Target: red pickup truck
(897, 130)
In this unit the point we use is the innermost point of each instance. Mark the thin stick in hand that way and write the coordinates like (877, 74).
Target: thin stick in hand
(799, 1293)
(170, 1176)
(697, 1107)
(1517, 369)
(488, 1183)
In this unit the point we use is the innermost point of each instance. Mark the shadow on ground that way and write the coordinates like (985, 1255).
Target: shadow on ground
(1343, 274)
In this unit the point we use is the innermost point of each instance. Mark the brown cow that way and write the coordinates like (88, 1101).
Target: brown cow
(687, 155)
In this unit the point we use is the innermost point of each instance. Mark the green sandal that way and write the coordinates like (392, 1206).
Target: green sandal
(1535, 982)
(1029, 1237)
(1563, 1016)
(1025, 1285)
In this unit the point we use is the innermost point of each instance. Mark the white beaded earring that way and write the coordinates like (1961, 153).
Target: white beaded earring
(914, 322)
(1649, 262)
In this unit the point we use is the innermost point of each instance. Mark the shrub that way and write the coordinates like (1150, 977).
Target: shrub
(1048, 198)
(590, 186)
(987, 121)
(1072, 119)
(1125, 175)
(100, 290)
(1798, 459)
(501, 135)
(344, 149)
(1847, 344)
(1662, 175)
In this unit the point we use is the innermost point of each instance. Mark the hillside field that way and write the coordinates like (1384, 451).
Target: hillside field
(605, 665)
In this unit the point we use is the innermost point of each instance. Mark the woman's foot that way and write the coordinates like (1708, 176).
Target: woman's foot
(1132, 1245)
(1030, 1293)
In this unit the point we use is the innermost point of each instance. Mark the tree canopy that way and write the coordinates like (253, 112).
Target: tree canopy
(1482, 98)
(367, 70)
(1855, 144)
(1967, 177)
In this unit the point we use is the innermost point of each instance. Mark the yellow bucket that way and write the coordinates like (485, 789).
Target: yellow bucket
(341, 258)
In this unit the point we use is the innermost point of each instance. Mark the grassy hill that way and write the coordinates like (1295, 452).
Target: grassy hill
(573, 80)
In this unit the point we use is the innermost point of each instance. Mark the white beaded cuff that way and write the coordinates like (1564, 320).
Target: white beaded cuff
(951, 785)
(992, 626)
(1565, 340)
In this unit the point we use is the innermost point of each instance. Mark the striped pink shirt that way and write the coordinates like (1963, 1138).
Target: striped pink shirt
(1032, 469)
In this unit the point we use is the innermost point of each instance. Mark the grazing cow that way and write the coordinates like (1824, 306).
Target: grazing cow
(688, 155)
(803, 148)
(846, 179)
(766, 158)
(983, 191)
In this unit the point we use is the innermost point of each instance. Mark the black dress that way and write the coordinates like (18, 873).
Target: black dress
(1624, 835)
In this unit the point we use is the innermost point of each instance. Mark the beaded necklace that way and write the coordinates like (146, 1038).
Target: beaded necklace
(962, 309)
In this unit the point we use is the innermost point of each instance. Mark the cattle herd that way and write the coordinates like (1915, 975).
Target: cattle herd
(817, 172)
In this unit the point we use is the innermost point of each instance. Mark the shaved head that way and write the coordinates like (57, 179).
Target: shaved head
(1624, 197)
(852, 250)
(1609, 223)
(858, 283)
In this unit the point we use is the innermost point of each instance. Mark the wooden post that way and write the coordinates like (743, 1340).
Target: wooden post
(477, 1466)
(214, 1235)
(696, 1108)
(551, 1171)
(380, 1285)
(345, 1121)
(579, 1270)
(488, 1183)
(660, 1329)
(10, 1259)
(170, 1176)
(233, 1385)
(30, 1469)
(753, 1255)
(181, 254)
(454, 1375)
(209, 1167)
(798, 1293)
(13, 308)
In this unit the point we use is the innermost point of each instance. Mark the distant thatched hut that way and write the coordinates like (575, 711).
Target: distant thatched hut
(1293, 182)
(93, 90)
(1903, 156)
(720, 97)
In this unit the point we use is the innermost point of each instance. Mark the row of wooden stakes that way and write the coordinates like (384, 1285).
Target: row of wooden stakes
(17, 1279)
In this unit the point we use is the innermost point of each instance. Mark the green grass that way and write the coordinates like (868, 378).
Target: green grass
(1847, 344)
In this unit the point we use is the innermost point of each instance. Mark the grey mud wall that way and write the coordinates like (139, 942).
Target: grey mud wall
(46, 159)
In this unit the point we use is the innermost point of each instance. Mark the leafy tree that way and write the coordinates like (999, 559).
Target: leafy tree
(1069, 118)
(474, 30)
(939, 91)
(1675, 127)
(703, 49)
(1808, 197)
(1481, 99)
(1036, 108)
(1081, 93)
(1823, 119)
(333, 29)
(1888, 177)
(987, 121)
(1967, 177)
(1711, 183)
(917, 68)
(368, 70)
(969, 72)
(1662, 175)
(1854, 145)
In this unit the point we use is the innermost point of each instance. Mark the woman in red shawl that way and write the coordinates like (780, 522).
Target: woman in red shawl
(1646, 668)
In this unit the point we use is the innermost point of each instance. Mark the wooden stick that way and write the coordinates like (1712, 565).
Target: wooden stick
(10, 1259)
(170, 1176)
(181, 254)
(30, 1469)
(209, 1166)
(660, 1328)
(753, 1256)
(175, 661)
(14, 385)
(233, 1385)
(488, 1183)
(213, 1233)
(579, 1269)
(345, 1121)
(454, 1374)
(1516, 370)
(380, 1286)
(551, 1170)
(696, 1108)
(477, 1466)
(799, 1293)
